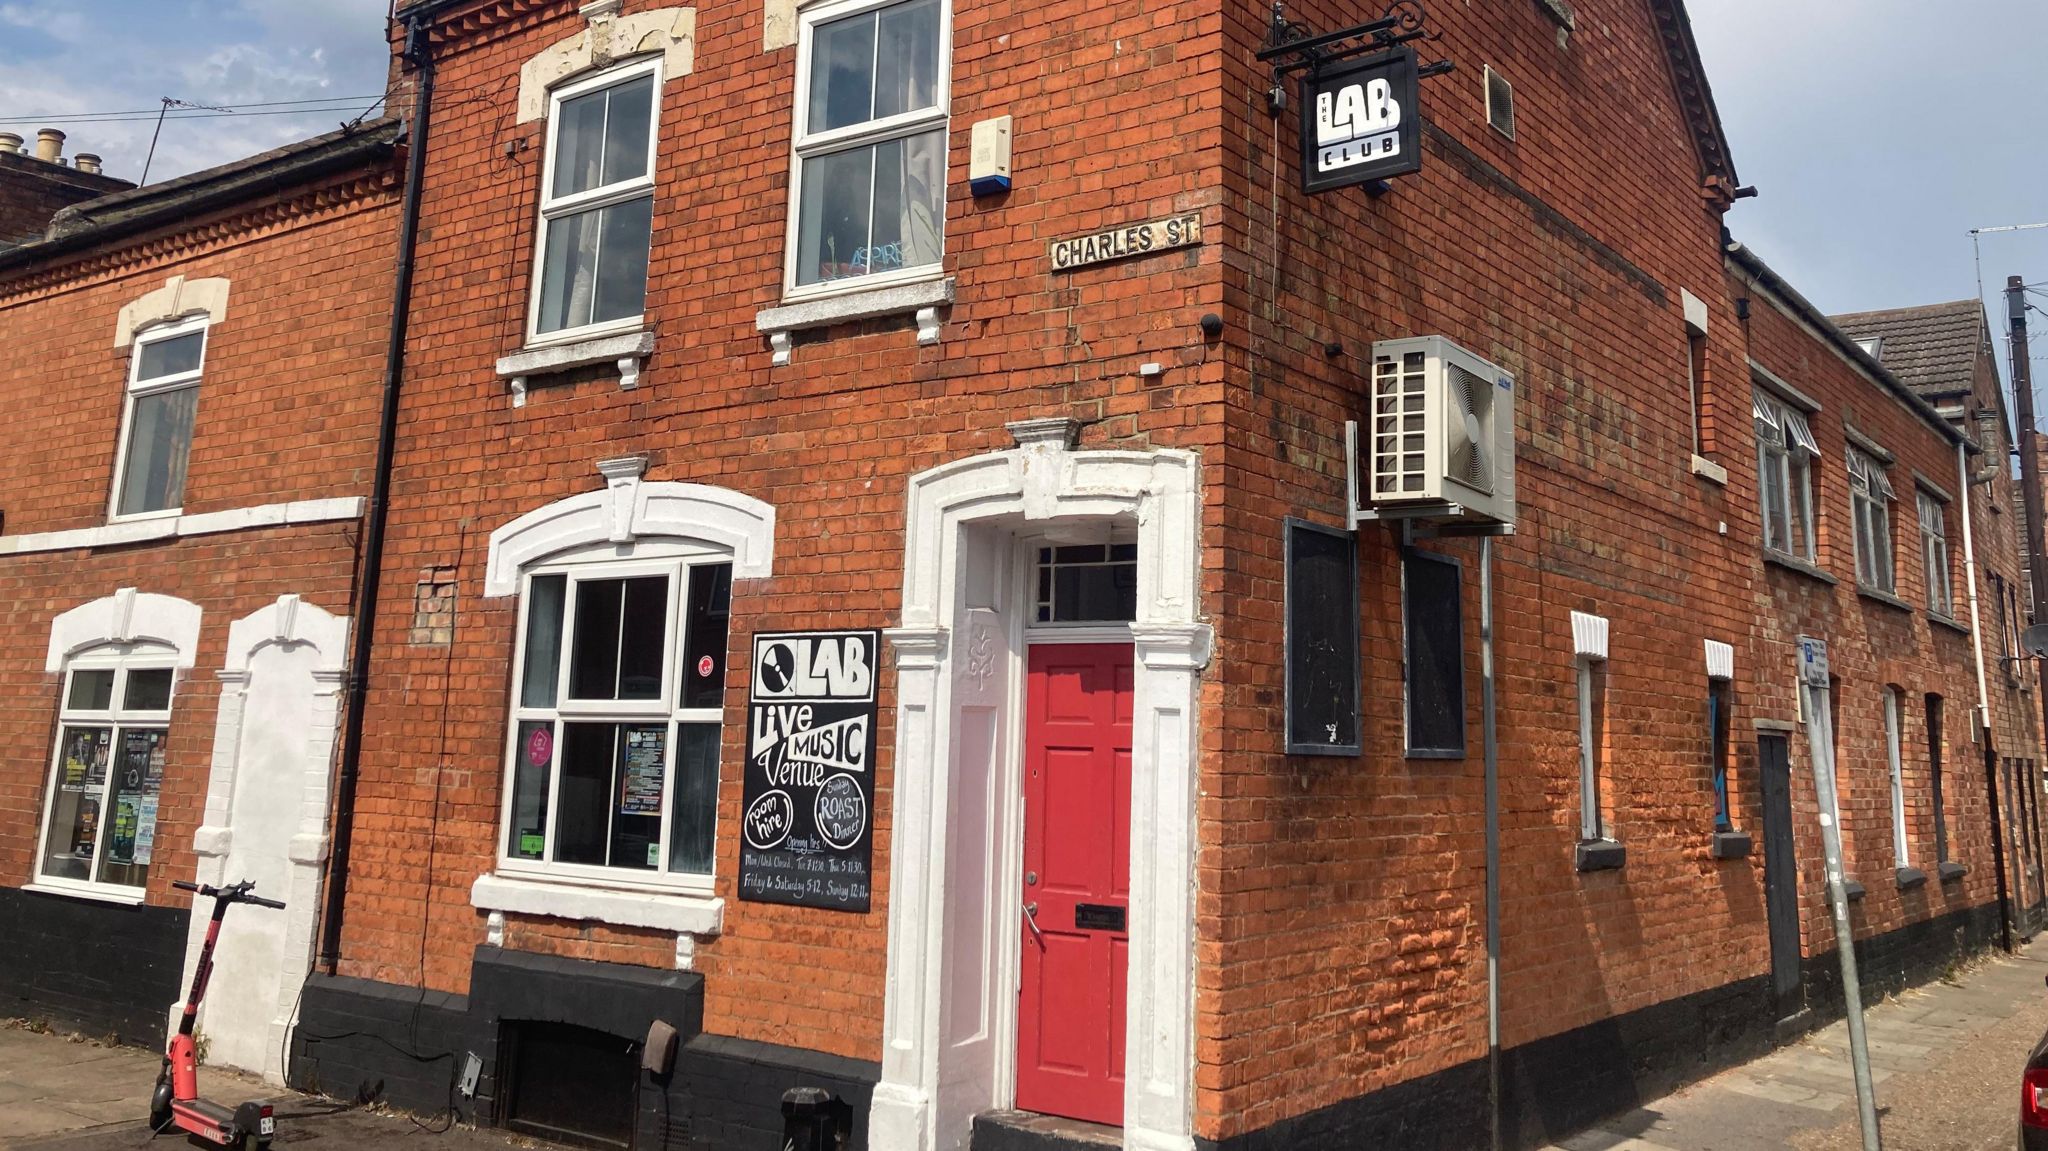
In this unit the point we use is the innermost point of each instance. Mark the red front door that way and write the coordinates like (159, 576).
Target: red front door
(1077, 881)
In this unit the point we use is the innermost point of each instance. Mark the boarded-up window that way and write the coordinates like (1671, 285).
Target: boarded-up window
(1433, 653)
(1322, 641)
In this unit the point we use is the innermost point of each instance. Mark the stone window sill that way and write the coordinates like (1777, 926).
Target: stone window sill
(178, 527)
(1879, 595)
(681, 911)
(922, 299)
(1950, 872)
(1710, 471)
(1852, 889)
(1949, 621)
(1732, 844)
(125, 896)
(1808, 570)
(626, 349)
(1600, 855)
(1909, 878)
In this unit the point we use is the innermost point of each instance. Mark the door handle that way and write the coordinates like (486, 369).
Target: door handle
(1031, 921)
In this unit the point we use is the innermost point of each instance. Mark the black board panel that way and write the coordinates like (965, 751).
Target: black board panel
(1322, 641)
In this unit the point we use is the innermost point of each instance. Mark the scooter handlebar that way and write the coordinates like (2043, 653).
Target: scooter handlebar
(259, 901)
(184, 886)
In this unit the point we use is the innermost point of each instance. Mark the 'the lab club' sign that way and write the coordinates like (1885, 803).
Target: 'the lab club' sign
(1359, 122)
(806, 825)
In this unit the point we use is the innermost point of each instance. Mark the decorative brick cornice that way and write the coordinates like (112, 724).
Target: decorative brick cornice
(1696, 100)
(464, 26)
(309, 206)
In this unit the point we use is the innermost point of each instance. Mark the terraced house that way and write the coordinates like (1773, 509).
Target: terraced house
(1170, 573)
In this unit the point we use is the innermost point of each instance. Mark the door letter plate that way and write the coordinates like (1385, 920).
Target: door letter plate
(1098, 917)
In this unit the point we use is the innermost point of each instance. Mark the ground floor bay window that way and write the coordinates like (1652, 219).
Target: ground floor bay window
(620, 689)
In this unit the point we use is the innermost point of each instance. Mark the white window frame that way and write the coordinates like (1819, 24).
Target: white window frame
(155, 386)
(1933, 511)
(1592, 827)
(601, 564)
(806, 145)
(1870, 512)
(1892, 708)
(122, 660)
(551, 208)
(1789, 448)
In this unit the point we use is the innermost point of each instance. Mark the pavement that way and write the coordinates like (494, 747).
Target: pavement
(66, 1093)
(1945, 1057)
(1945, 1060)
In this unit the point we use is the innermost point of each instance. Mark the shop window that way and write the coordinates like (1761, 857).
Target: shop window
(597, 202)
(619, 697)
(1094, 583)
(1786, 450)
(1870, 500)
(99, 825)
(1934, 554)
(869, 186)
(156, 428)
(1433, 655)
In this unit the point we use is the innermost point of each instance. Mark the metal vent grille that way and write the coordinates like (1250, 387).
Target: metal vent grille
(1471, 429)
(1500, 103)
(1400, 461)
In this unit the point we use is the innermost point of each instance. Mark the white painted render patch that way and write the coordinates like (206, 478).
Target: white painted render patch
(265, 819)
(179, 527)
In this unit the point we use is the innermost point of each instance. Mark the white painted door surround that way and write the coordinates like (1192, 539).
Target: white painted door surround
(266, 820)
(949, 1028)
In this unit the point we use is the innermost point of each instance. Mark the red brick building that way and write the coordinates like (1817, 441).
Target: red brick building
(891, 601)
(193, 391)
(738, 355)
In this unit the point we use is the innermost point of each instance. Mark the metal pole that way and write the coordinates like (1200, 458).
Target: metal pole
(1820, 737)
(1491, 740)
(2030, 497)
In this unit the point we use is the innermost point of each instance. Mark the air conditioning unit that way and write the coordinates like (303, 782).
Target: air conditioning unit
(1439, 441)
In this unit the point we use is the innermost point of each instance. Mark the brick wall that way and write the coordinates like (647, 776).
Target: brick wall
(830, 440)
(286, 412)
(1343, 899)
(1875, 642)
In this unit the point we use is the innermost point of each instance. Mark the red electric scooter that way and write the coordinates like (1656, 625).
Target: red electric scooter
(176, 1102)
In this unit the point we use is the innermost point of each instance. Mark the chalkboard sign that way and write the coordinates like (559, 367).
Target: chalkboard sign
(1322, 641)
(1433, 655)
(806, 833)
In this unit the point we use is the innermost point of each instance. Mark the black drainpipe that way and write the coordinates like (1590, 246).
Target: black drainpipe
(419, 54)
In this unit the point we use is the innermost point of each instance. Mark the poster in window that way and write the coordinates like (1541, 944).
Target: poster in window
(145, 830)
(806, 833)
(85, 756)
(1433, 655)
(85, 833)
(1323, 661)
(644, 755)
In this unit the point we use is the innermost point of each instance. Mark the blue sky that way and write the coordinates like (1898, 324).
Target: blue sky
(1878, 132)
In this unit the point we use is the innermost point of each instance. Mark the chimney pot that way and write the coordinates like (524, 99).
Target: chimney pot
(50, 145)
(10, 142)
(88, 163)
